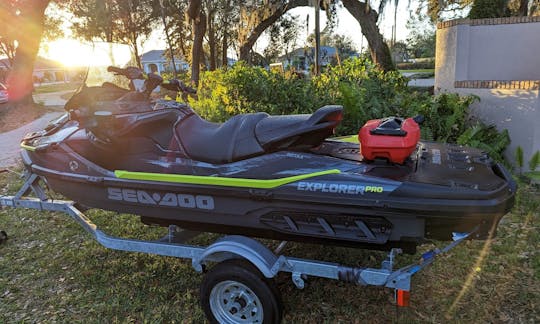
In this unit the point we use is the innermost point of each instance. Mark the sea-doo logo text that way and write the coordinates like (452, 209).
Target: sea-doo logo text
(338, 188)
(168, 199)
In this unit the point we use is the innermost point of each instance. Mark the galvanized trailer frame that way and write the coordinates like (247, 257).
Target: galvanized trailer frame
(268, 262)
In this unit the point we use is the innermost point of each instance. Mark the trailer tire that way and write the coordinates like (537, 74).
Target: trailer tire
(3, 237)
(234, 291)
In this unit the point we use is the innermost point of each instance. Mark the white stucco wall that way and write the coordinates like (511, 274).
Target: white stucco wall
(504, 52)
(495, 52)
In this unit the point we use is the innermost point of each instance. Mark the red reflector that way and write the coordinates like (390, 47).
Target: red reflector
(403, 298)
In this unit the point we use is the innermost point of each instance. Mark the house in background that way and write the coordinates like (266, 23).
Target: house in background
(162, 62)
(46, 71)
(303, 58)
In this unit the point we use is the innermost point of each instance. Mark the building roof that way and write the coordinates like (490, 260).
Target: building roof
(158, 56)
(325, 51)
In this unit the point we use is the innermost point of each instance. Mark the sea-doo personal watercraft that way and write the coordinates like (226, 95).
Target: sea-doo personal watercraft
(280, 177)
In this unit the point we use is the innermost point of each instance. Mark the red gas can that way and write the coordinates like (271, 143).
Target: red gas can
(389, 138)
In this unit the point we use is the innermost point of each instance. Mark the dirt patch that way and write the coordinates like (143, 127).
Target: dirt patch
(15, 116)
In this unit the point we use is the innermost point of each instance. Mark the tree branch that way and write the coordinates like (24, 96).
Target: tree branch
(245, 48)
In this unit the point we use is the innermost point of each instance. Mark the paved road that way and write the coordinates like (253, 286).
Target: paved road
(421, 83)
(418, 82)
(9, 141)
(51, 98)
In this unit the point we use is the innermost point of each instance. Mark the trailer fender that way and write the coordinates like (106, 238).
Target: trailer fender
(236, 246)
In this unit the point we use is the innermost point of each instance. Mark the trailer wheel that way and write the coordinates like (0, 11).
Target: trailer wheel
(3, 237)
(234, 291)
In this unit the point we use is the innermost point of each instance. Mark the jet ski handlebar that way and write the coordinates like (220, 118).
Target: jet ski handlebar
(177, 85)
(133, 73)
(129, 72)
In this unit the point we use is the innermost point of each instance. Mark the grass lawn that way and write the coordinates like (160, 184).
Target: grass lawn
(56, 87)
(52, 271)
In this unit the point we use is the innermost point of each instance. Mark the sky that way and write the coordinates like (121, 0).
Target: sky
(71, 53)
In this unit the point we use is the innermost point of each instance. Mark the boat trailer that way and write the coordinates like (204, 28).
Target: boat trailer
(230, 291)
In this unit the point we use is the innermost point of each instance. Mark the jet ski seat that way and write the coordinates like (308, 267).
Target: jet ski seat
(298, 131)
(249, 135)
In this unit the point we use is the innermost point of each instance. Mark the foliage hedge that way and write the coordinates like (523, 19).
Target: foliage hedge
(359, 86)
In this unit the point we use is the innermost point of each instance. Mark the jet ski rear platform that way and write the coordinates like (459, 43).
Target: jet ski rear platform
(274, 177)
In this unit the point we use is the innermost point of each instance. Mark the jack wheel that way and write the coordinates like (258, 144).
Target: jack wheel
(235, 291)
(3, 237)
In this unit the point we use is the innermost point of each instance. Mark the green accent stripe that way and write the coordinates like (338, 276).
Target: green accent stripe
(348, 139)
(218, 181)
(28, 147)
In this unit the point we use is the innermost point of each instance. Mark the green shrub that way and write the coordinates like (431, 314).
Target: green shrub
(363, 90)
(486, 138)
(445, 116)
(534, 162)
(244, 89)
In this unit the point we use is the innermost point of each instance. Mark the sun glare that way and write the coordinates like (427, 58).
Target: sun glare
(72, 53)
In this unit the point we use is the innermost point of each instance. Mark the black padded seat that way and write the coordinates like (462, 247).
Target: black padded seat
(298, 131)
(220, 143)
(157, 125)
(245, 136)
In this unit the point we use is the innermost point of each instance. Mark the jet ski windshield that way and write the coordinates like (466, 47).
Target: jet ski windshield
(105, 55)
(111, 75)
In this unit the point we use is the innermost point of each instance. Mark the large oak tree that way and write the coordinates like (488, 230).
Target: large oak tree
(29, 19)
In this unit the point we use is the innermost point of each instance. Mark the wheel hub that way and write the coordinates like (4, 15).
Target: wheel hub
(234, 302)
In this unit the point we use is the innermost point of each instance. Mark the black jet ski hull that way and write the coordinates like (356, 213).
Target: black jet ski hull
(326, 209)
(268, 176)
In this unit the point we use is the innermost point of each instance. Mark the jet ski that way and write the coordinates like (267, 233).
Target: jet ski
(278, 177)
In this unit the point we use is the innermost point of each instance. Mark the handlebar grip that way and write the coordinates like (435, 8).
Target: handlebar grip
(115, 69)
(176, 85)
(188, 89)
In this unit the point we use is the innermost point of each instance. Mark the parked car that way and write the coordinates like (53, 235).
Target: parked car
(3, 94)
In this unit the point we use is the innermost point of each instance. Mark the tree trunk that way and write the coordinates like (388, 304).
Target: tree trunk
(31, 23)
(367, 18)
(136, 54)
(225, 39)
(245, 48)
(212, 40)
(224, 48)
(199, 28)
(523, 8)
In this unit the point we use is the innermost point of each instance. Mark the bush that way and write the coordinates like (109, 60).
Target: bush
(486, 138)
(363, 90)
(244, 89)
